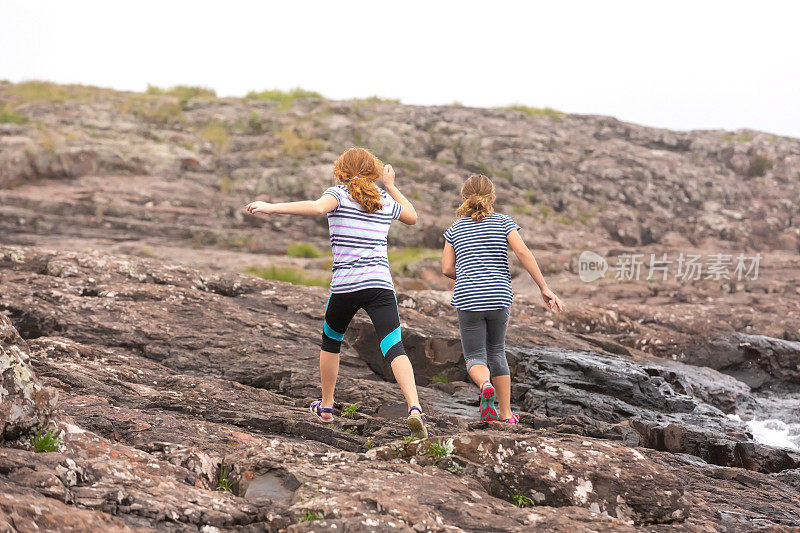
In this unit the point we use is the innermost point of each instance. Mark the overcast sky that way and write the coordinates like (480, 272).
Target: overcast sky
(677, 64)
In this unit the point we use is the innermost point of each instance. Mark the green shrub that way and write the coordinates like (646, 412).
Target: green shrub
(303, 249)
(759, 166)
(546, 111)
(296, 276)
(283, 98)
(44, 442)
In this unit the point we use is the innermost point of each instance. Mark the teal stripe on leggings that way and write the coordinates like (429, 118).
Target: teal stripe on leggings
(390, 340)
(329, 331)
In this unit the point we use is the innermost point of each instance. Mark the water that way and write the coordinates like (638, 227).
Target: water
(773, 432)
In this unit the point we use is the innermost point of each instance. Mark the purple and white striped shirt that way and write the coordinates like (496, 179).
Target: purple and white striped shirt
(358, 240)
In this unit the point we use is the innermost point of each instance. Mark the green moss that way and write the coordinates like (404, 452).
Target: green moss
(296, 276)
(284, 99)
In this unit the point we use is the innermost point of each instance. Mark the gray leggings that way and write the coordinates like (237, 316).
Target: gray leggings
(483, 337)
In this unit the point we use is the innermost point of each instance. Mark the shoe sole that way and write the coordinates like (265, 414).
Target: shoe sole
(487, 409)
(488, 391)
(417, 428)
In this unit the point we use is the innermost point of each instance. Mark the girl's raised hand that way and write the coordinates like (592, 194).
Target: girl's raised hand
(552, 301)
(255, 208)
(388, 176)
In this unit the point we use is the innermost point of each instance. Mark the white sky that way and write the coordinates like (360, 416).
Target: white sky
(677, 64)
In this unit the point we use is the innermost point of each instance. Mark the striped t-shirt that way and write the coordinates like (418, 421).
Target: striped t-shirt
(483, 279)
(358, 240)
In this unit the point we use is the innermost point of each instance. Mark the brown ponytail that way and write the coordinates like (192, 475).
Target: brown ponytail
(358, 169)
(478, 193)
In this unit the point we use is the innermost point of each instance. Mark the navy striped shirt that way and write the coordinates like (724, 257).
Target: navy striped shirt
(483, 279)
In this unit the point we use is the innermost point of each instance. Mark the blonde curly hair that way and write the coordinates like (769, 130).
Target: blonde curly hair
(358, 169)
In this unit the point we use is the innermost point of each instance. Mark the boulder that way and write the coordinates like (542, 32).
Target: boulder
(25, 405)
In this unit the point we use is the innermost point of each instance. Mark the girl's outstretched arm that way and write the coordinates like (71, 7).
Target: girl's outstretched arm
(525, 256)
(408, 215)
(312, 208)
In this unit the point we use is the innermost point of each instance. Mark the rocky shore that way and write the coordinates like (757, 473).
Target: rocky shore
(176, 382)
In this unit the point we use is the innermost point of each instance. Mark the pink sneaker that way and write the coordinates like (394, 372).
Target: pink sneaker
(487, 409)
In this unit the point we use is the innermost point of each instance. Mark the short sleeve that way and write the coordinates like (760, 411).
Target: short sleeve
(509, 225)
(396, 208)
(336, 193)
(448, 236)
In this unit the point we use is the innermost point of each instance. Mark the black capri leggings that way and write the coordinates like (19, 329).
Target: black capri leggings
(380, 305)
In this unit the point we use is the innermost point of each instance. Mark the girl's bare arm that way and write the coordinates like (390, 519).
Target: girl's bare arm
(449, 261)
(324, 205)
(408, 215)
(525, 257)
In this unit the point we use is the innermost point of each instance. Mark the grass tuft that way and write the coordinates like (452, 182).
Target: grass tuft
(311, 516)
(9, 117)
(284, 99)
(44, 442)
(401, 257)
(45, 91)
(217, 134)
(303, 249)
(296, 276)
(437, 451)
(440, 378)
(350, 411)
(182, 92)
(296, 143)
(223, 483)
(520, 500)
(528, 110)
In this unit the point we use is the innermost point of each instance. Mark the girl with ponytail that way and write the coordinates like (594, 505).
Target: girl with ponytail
(359, 215)
(476, 256)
